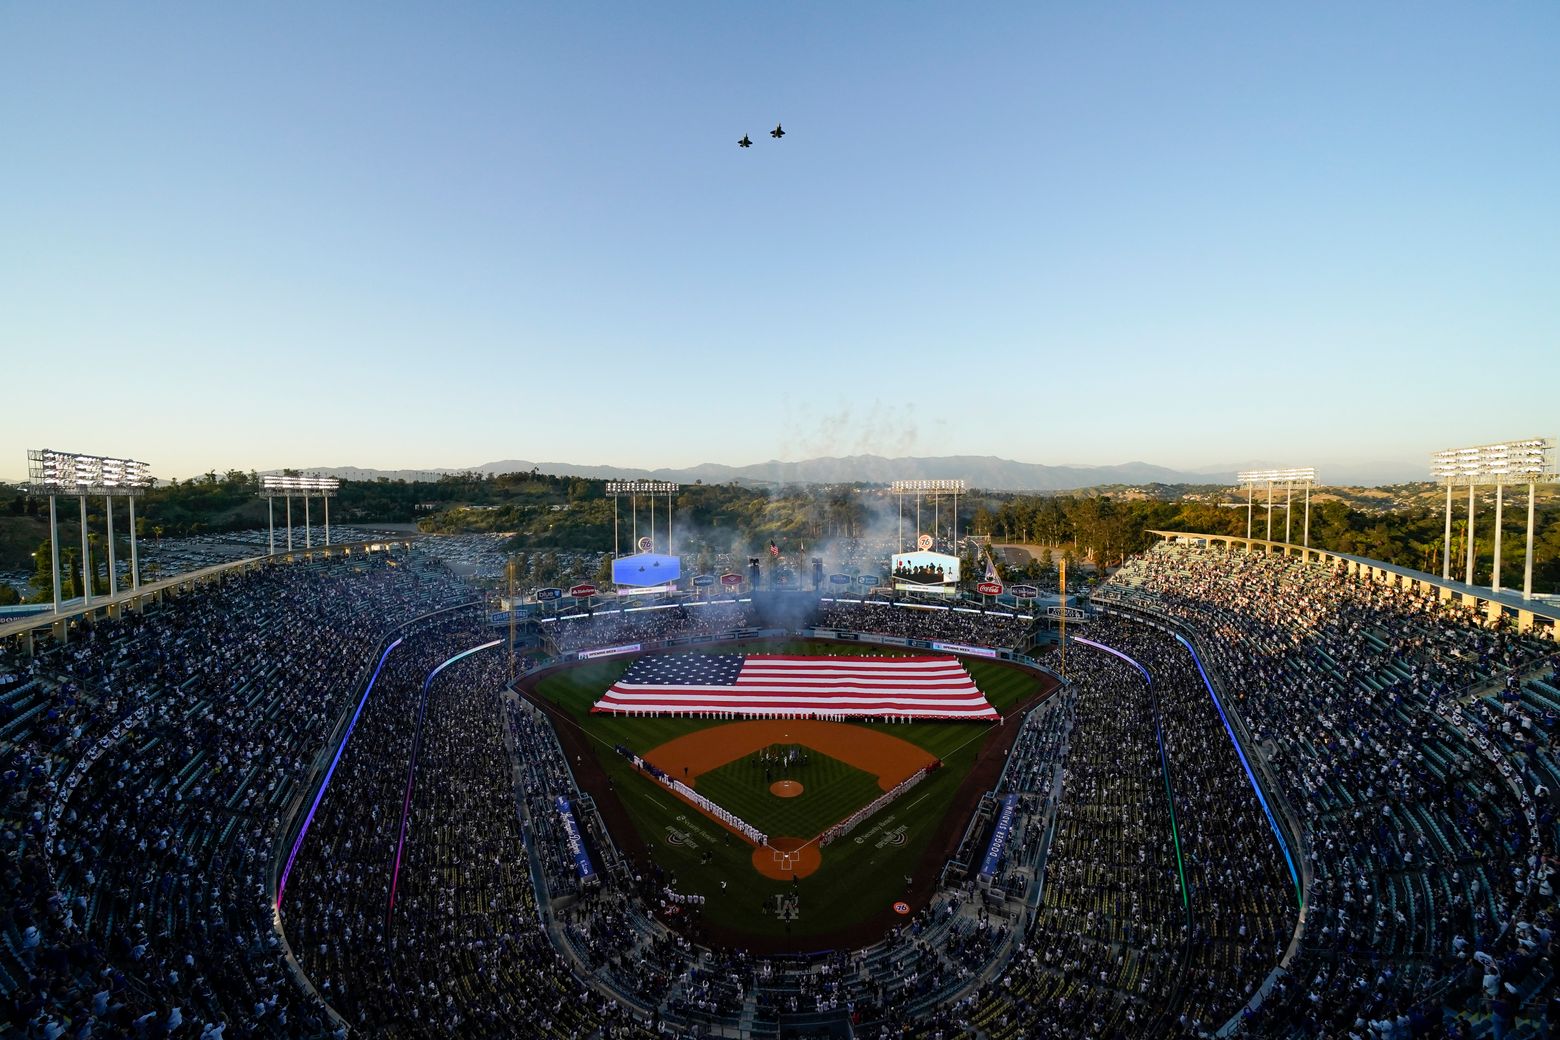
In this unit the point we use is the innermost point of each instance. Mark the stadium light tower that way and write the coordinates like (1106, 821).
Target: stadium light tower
(1303, 475)
(936, 489)
(273, 484)
(52, 473)
(1510, 462)
(633, 489)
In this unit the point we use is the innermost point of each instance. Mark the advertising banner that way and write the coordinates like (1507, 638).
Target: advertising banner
(999, 837)
(960, 648)
(576, 844)
(607, 651)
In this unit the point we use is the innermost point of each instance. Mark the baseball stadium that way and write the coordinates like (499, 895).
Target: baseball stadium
(1234, 786)
(779, 521)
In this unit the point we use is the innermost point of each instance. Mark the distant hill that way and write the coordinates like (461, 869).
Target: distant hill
(982, 471)
(1332, 473)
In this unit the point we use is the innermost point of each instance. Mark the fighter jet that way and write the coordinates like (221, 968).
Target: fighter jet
(777, 133)
(744, 143)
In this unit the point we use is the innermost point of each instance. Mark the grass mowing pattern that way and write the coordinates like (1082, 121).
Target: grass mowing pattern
(831, 791)
(858, 878)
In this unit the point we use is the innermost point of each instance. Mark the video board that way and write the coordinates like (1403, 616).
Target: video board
(643, 570)
(925, 572)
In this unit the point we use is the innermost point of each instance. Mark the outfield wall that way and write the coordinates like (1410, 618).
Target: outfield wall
(936, 646)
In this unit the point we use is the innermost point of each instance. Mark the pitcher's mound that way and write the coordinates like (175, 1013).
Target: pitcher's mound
(785, 788)
(785, 858)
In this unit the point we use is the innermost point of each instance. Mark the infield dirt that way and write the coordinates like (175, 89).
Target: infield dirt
(881, 754)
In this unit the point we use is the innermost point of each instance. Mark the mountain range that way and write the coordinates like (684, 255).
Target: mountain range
(979, 471)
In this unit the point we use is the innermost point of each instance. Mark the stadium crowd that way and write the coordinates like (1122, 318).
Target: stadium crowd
(435, 930)
(149, 766)
(145, 769)
(1431, 896)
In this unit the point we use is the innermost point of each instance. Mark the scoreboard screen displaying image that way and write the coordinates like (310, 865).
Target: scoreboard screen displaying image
(646, 569)
(925, 572)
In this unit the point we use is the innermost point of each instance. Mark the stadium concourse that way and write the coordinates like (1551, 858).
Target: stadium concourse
(1272, 799)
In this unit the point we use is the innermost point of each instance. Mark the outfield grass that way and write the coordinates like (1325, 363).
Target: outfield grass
(860, 875)
(831, 791)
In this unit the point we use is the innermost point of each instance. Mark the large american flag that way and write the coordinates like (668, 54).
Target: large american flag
(763, 685)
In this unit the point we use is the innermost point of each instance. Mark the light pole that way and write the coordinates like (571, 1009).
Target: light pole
(1495, 579)
(1289, 502)
(135, 558)
(1307, 536)
(113, 576)
(1527, 566)
(86, 558)
(1531, 459)
(1469, 579)
(1446, 543)
(633, 489)
(52, 473)
(54, 552)
(1303, 475)
(289, 484)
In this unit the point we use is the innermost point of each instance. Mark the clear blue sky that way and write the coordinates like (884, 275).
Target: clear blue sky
(396, 236)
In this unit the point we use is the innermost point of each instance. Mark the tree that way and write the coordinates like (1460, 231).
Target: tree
(9, 596)
(42, 580)
(70, 573)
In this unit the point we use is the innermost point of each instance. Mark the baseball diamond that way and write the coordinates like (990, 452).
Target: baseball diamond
(846, 888)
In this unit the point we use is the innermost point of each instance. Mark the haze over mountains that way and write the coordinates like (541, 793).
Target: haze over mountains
(980, 471)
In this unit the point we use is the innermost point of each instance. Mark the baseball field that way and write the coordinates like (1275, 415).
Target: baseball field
(792, 779)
